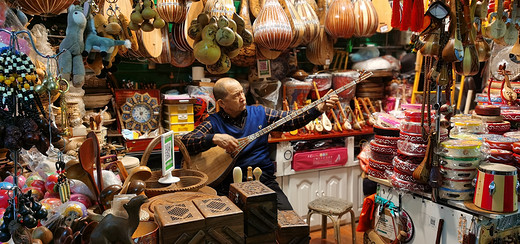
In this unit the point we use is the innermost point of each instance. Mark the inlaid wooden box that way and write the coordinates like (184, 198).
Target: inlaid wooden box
(259, 205)
(224, 220)
(291, 228)
(180, 223)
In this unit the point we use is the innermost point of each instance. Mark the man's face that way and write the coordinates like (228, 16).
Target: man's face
(235, 102)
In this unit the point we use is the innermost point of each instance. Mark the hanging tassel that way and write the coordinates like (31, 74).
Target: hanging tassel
(396, 13)
(417, 15)
(405, 15)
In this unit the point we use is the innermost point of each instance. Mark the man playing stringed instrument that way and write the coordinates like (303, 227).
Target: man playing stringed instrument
(237, 120)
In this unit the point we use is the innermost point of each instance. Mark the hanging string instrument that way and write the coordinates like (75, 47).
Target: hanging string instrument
(470, 64)
(454, 51)
(217, 163)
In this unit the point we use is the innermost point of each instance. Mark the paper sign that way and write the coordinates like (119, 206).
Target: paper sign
(264, 68)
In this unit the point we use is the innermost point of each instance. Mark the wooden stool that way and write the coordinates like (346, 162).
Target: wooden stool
(330, 207)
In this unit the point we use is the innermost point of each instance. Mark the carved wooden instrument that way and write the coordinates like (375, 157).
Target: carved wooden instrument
(325, 121)
(454, 51)
(217, 163)
(346, 124)
(507, 93)
(470, 64)
(497, 26)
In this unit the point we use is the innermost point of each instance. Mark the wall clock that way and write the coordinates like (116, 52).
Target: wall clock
(141, 112)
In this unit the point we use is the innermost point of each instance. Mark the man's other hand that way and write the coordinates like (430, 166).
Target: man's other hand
(328, 104)
(225, 141)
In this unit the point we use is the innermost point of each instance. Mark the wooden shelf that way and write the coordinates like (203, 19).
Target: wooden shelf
(367, 130)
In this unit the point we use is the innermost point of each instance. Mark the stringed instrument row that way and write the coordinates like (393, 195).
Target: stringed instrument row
(345, 119)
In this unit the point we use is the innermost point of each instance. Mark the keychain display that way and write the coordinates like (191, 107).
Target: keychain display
(21, 125)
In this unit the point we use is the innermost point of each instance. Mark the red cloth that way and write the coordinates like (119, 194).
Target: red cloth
(367, 214)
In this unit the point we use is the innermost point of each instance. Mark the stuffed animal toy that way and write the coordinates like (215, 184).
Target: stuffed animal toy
(95, 61)
(71, 61)
(102, 44)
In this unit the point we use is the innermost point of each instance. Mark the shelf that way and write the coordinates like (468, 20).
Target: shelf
(367, 130)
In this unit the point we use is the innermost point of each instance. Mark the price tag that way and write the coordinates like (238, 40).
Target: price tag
(385, 225)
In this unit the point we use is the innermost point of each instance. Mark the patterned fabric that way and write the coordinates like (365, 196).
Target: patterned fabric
(201, 138)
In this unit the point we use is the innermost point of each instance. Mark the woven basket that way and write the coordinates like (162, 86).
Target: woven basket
(190, 180)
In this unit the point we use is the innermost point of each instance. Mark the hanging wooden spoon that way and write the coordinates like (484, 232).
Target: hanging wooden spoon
(346, 124)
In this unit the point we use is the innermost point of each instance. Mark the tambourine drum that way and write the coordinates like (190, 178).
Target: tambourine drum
(497, 188)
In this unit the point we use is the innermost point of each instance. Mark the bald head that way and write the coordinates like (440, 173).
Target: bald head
(220, 89)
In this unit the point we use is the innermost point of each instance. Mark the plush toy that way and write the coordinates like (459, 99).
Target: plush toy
(71, 61)
(95, 61)
(102, 44)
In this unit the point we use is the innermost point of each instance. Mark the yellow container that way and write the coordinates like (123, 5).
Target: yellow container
(182, 127)
(178, 108)
(179, 118)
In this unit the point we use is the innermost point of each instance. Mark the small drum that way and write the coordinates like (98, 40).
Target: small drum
(461, 148)
(497, 188)
(340, 79)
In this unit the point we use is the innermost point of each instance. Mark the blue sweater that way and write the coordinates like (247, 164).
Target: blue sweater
(256, 154)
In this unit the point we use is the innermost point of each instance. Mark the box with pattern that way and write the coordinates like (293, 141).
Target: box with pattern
(224, 220)
(180, 223)
(259, 205)
(291, 228)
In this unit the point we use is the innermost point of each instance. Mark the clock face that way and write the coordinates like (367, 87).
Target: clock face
(141, 113)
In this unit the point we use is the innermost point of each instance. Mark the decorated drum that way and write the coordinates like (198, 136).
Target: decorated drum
(340, 79)
(412, 149)
(469, 126)
(376, 173)
(458, 174)
(386, 140)
(461, 148)
(500, 142)
(458, 185)
(460, 163)
(498, 127)
(450, 194)
(378, 148)
(511, 115)
(415, 115)
(497, 188)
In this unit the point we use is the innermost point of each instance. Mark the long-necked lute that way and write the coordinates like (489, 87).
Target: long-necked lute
(217, 163)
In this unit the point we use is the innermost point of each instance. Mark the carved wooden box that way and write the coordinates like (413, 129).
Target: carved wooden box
(259, 205)
(180, 223)
(291, 228)
(224, 220)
